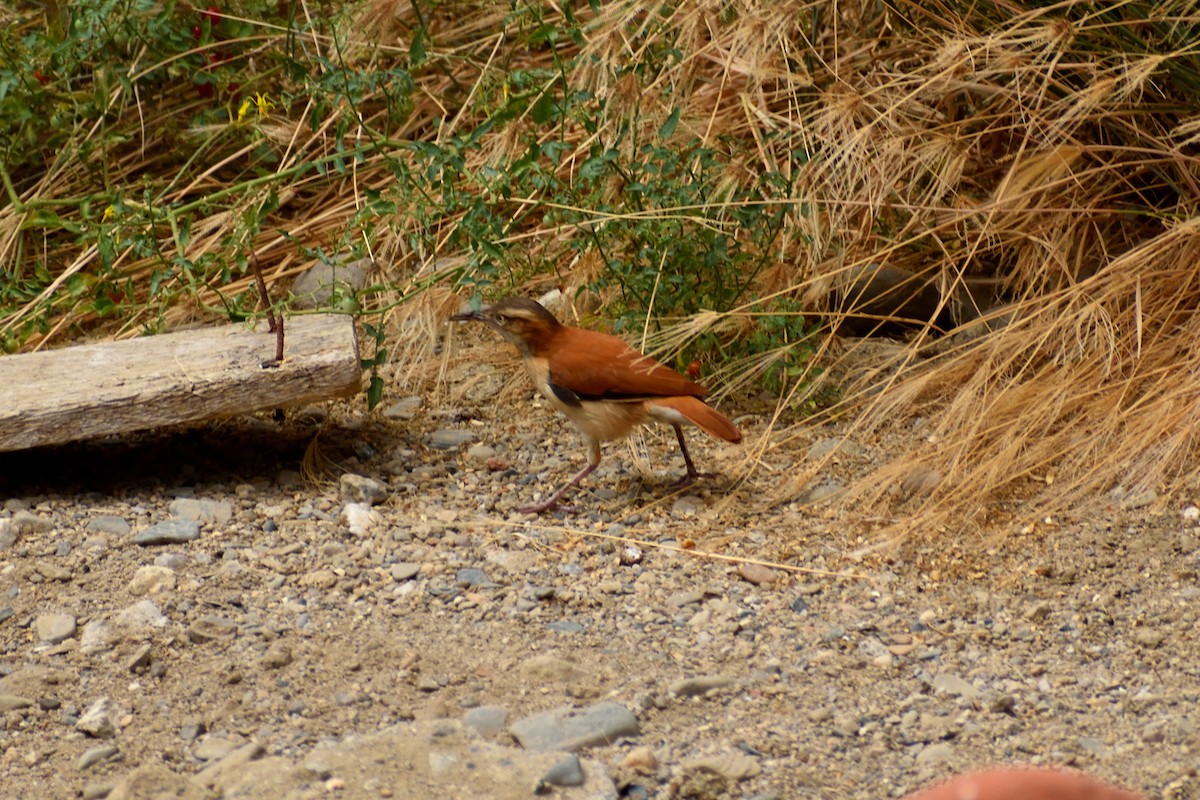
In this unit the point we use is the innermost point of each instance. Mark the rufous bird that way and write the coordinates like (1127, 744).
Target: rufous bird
(602, 385)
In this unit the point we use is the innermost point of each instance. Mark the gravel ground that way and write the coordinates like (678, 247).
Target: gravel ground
(183, 614)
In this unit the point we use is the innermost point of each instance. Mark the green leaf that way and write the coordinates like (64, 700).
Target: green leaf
(543, 109)
(669, 126)
(374, 392)
(416, 50)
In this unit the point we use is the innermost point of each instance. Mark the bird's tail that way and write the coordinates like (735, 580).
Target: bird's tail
(694, 411)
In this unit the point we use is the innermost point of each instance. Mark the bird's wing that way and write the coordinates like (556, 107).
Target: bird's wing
(598, 366)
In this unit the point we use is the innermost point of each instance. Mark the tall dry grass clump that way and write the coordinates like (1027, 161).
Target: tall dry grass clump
(725, 165)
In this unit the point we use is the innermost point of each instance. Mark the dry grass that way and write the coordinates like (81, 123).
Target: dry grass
(1055, 149)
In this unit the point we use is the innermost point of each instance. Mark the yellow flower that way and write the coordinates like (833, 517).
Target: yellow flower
(263, 104)
(243, 109)
(109, 214)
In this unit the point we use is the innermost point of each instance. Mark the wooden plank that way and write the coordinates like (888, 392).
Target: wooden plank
(116, 387)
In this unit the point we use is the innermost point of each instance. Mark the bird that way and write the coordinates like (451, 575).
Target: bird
(1024, 783)
(604, 386)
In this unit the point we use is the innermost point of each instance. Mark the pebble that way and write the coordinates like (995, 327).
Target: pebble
(567, 771)
(573, 729)
(278, 655)
(360, 518)
(212, 628)
(202, 509)
(53, 572)
(107, 523)
(26, 522)
(757, 574)
(687, 506)
(730, 766)
(640, 759)
(171, 531)
(140, 659)
(100, 720)
(12, 702)
(473, 577)
(450, 439)
(8, 534)
(952, 684)
(487, 721)
(699, 685)
(481, 452)
(142, 614)
(544, 669)
(1148, 638)
(152, 580)
(922, 480)
(105, 752)
(216, 747)
(403, 571)
(55, 628)
(825, 490)
(360, 489)
(404, 408)
(935, 754)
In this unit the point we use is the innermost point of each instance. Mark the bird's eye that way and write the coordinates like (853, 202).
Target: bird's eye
(502, 319)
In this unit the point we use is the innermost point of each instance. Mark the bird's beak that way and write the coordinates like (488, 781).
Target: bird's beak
(470, 315)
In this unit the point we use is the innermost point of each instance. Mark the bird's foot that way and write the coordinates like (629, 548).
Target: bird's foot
(690, 478)
(549, 505)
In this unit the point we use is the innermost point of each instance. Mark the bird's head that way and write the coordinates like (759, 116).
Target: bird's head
(524, 322)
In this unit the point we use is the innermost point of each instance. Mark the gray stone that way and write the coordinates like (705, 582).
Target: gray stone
(152, 580)
(27, 522)
(404, 571)
(567, 771)
(698, 685)
(360, 518)
(935, 754)
(361, 489)
(216, 747)
(8, 534)
(921, 481)
(320, 284)
(100, 720)
(140, 659)
(481, 452)
(53, 572)
(202, 509)
(140, 615)
(105, 752)
(12, 702)
(211, 628)
(450, 439)
(98, 636)
(822, 491)
(278, 655)
(730, 766)
(574, 729)
(544, 669)
(171, 531)
(952, 684)
(473, 577)
(404, 408)
(55, 628)
(829, 446)
(487, 721)
(107, 523)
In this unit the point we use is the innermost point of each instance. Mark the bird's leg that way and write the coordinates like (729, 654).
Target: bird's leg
(552, 501)
(692, 474)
